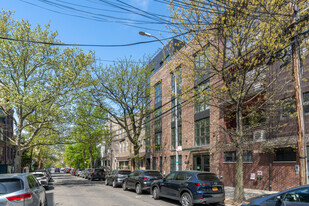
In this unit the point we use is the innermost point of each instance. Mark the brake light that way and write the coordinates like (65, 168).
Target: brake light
(43, 177)
(145, 178)
(104, 173)
(199, 184)
(95, 173)
(20, 197)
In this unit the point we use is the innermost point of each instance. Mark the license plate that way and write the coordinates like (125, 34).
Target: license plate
(214, 189)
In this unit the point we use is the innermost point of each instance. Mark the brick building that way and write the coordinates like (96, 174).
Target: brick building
(270, 161)
(7, 151)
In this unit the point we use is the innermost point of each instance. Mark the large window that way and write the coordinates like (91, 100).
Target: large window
(174, 137)
(154, 163)
(158, 92)
(200, 65)
(173, 163)
(306, 102)
(202, 130)
(201, 99)
(176, 95)
(285, 154)
(158, 119)
(147, 133)
(288, 108)
(158, 141)
(231, 156)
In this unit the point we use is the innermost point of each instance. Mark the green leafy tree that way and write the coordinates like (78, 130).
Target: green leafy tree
(37, 80)
(122, 90)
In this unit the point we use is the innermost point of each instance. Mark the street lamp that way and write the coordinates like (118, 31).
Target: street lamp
(176, 100)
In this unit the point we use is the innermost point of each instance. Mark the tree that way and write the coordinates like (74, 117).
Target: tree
(237, 41)
(37, 80)
(122, 90)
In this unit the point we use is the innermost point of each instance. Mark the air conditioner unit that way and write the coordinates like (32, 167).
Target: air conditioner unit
(259, 135)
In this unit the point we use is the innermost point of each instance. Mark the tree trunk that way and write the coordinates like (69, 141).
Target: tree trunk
(91, 157)
(239, 195)
(84, 159)
(136, 157)
(17, 160)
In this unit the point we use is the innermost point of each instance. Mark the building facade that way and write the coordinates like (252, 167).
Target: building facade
(270, 160)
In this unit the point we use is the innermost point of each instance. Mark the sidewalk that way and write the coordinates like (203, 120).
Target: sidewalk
(249, 193)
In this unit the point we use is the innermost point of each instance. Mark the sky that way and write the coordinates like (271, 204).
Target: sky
(74, 29)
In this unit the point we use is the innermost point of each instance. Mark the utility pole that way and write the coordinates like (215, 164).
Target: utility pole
(176, 121)
(301, 142)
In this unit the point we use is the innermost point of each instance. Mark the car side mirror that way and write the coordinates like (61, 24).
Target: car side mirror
(278, 198)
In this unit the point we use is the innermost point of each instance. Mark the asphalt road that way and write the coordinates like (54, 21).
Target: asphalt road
(67, 190)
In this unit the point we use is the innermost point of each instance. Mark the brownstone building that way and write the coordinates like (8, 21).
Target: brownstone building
(7, 151)
(270, 162)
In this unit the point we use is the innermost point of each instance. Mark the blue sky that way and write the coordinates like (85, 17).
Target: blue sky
(73, 29)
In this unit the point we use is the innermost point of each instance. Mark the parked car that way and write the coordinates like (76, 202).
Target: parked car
(42, 178)
(79, 172)
(116, 177)
(297, 196)
(140, 180)
(21, 189)
(88, 171)
(75, 171)
(82, 173)
(96, 174)
(48, 174)
(190, 187)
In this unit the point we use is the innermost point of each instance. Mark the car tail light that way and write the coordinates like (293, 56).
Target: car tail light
(44, 178)
(145, 178)
(104, 173)
(95, 173)
(119, 175)
(20, 197)
(199, 184)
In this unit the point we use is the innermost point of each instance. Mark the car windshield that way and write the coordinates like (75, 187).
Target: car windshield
(152, 173)
(38, 175)
(207, 177)
(124, 172)
(10, 185)
(98, 170)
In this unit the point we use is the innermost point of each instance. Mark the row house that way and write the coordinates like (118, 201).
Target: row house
(270, 161)
(7, 150)
(118, 153)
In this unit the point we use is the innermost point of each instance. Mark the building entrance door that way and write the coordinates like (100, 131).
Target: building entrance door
(201, 162)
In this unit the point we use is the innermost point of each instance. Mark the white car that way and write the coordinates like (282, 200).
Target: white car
(42, 178)
(62, 170)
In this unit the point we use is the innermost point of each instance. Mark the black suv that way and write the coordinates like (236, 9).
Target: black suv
(96, 174)
(190, 187)
(140, 180)
(116, 177)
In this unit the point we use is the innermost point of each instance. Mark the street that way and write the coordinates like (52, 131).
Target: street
(67, 190)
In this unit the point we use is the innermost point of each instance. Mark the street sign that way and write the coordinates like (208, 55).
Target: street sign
(179, 148)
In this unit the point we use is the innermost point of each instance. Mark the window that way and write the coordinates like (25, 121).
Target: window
(299, 195)
(288, 108)
(231, 156)
(173, 163)
(200, 65)
(158, 141)
(161, 164)
(147, 133)
(120, 147)
(154, 163)
(285, 154)
(158, 119)
(202, 130)
(201, 100)
(181, 176)
(306, 102)
(176, 95)
(174, 138)
(127, 146)
(171, 176)
(158, 92)
(123, 147)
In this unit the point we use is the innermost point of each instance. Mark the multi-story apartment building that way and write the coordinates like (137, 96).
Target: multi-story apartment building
(118, 153)
(270, 161)
(7, 150)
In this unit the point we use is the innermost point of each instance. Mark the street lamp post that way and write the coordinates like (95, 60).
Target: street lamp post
(176, 100)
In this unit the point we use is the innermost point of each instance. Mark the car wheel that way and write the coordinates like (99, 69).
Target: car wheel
(106, 183)
(124, 186)
(155, 193)
(114, 184)
(186, 199)
(138, 188)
